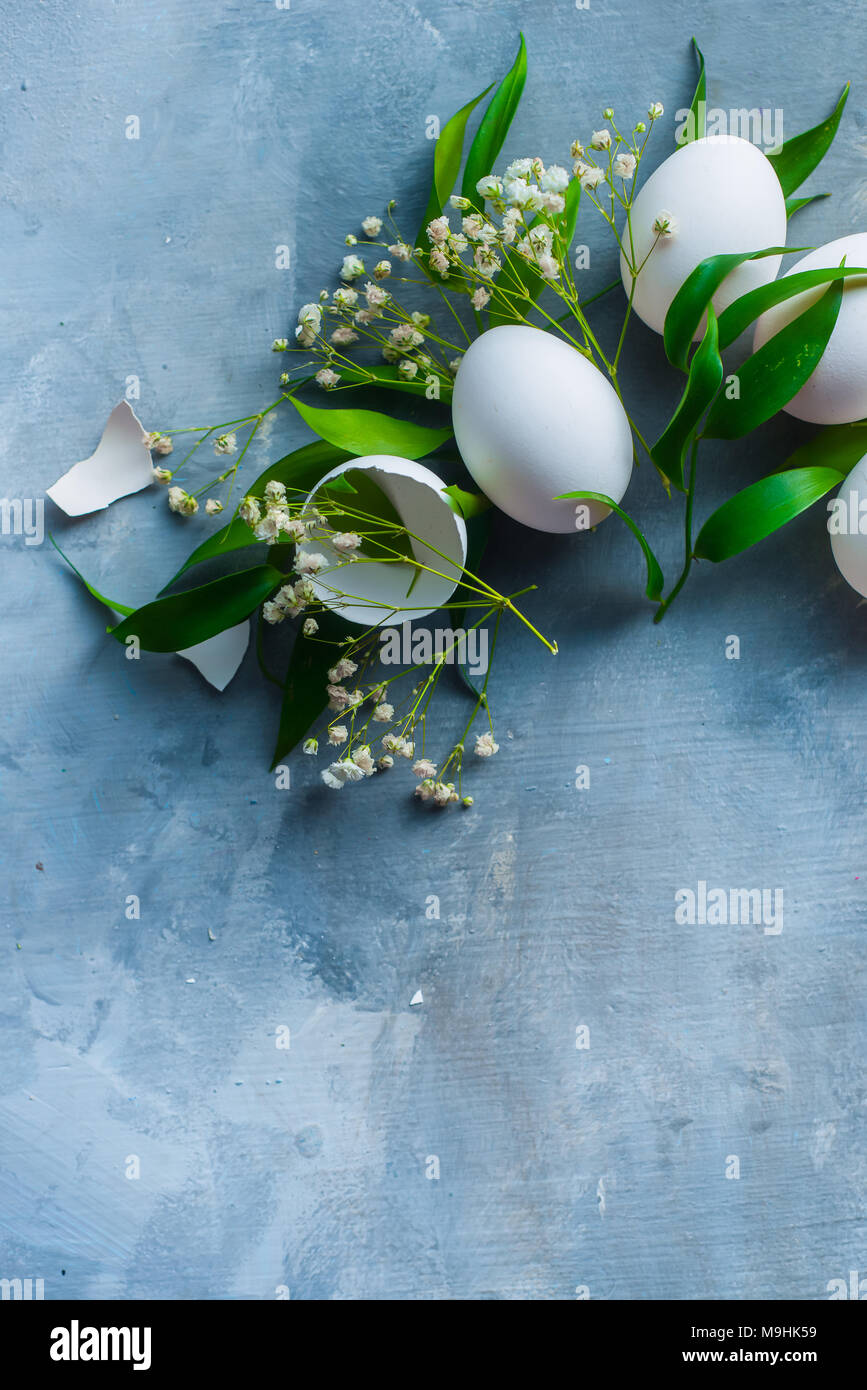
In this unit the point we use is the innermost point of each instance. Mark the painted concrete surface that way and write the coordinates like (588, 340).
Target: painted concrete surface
(152, 1045)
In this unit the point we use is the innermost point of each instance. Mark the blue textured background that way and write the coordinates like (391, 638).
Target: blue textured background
(305, 1168)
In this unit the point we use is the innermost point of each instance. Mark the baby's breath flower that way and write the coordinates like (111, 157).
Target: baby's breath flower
(439, 262)
(338, 733)
(164, 445)
(467, 802)
(488, 187)
(591, 178)
(273, 612)
(655, 110)
(664, 225)
(383, 712)
(310, 745)
(480, 297)
(487, 263)
(352, 267)
(181, 502)
(424, 768)
(275, 491)
(485, 745)
(226, 444)
(350, 240)
(438, 231)
(338, 697)
(326, 378)
(345, 297)
(608, 114)
(382, 270)
(343, 336)
(640, 128)
(401, 251)
(472, 226)
(310, 563)
(408, 368)
(162, 475)
(601, 140)
(363, 758)
(343, 668)
(623, 166)
(310, 628)
(213, 506)
(554, 180)
(346, 541)
(372, 226)
(518, 169)
(280, 344)
(249, 511)
(576, 149)
(385, 762)
(375, 295)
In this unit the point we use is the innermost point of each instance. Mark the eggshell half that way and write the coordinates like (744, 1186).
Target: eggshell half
(375, 590)
(836, 393)
(534, 419)
(850, 549)
(724, 195)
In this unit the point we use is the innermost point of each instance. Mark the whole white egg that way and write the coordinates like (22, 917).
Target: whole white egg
(533, 419)
(836, 392)
(848, 543)
(724, 196)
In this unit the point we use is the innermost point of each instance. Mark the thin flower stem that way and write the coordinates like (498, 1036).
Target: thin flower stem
(688, 553)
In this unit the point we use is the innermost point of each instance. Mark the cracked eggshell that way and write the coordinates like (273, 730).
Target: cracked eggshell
(724, 195)
(836, 392)
(534, 419)
(416, 493)
(850, 547)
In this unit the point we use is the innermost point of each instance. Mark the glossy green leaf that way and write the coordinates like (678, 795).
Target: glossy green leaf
(494, 125)
(108, 602)
(774, 374)
(698, 289)
(705, 376)
(179, 621)
(745, 310)
(466, 504)
(794, 205)
(448, 153)
(299, 471)
(363, 432)
(524, 271)
(761, 509)
(796, 159)
(655, 580)
(304, 695)
(837, 446)
(698, 105)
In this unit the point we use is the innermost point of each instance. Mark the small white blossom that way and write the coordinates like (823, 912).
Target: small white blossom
(273, 612)
(226, 444)
(341, 670)
(162, 475)
(424, 768)
(310, 628)
(249, 511)
(554, 180)
(343, 336)
(488, 187)
(480, 297)
(326, 378)
(363, 758)
(345, 541)
(664, 225)
(438, 231)
(655, 110)
(372, 226)
(383, 712)
(310, 745)
(180, 501)
(385, 762)
(345, 297)
(352, 267)
(311, 564)
(591, 178)
(338, 733)
(485, 745)
(519, 168)
(401, 251)
(213, 506)
(456, 201)
(281, 344)
(407, 368)
(275, 491)
(382, 270)
(601, 140)
(624, 166)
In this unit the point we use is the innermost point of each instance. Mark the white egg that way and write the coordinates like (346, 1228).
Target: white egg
(369, 592)
(836, 393)
(534, 419)
(848, 541)
(724, 196)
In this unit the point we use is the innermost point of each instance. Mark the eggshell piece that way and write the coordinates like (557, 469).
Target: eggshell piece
(724, 196)
(374, 591)
(534, 419)
(836, 392)
(849, 545)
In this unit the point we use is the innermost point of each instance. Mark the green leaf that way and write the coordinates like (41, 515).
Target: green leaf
(494, 125)
(837, 446)
(698, 105)
(774, 374)
(655, 580)
(794, 205)
(109, 603)
(760, 509)
(796, 159)
(447, 162)
(304, 695)
(705, 376)
(300, 470)
(743, 311)
(369, 432)
(466, 504)
(182, 620)
(698, 289)
(523, 271)
(379, 512)
(391, 379)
